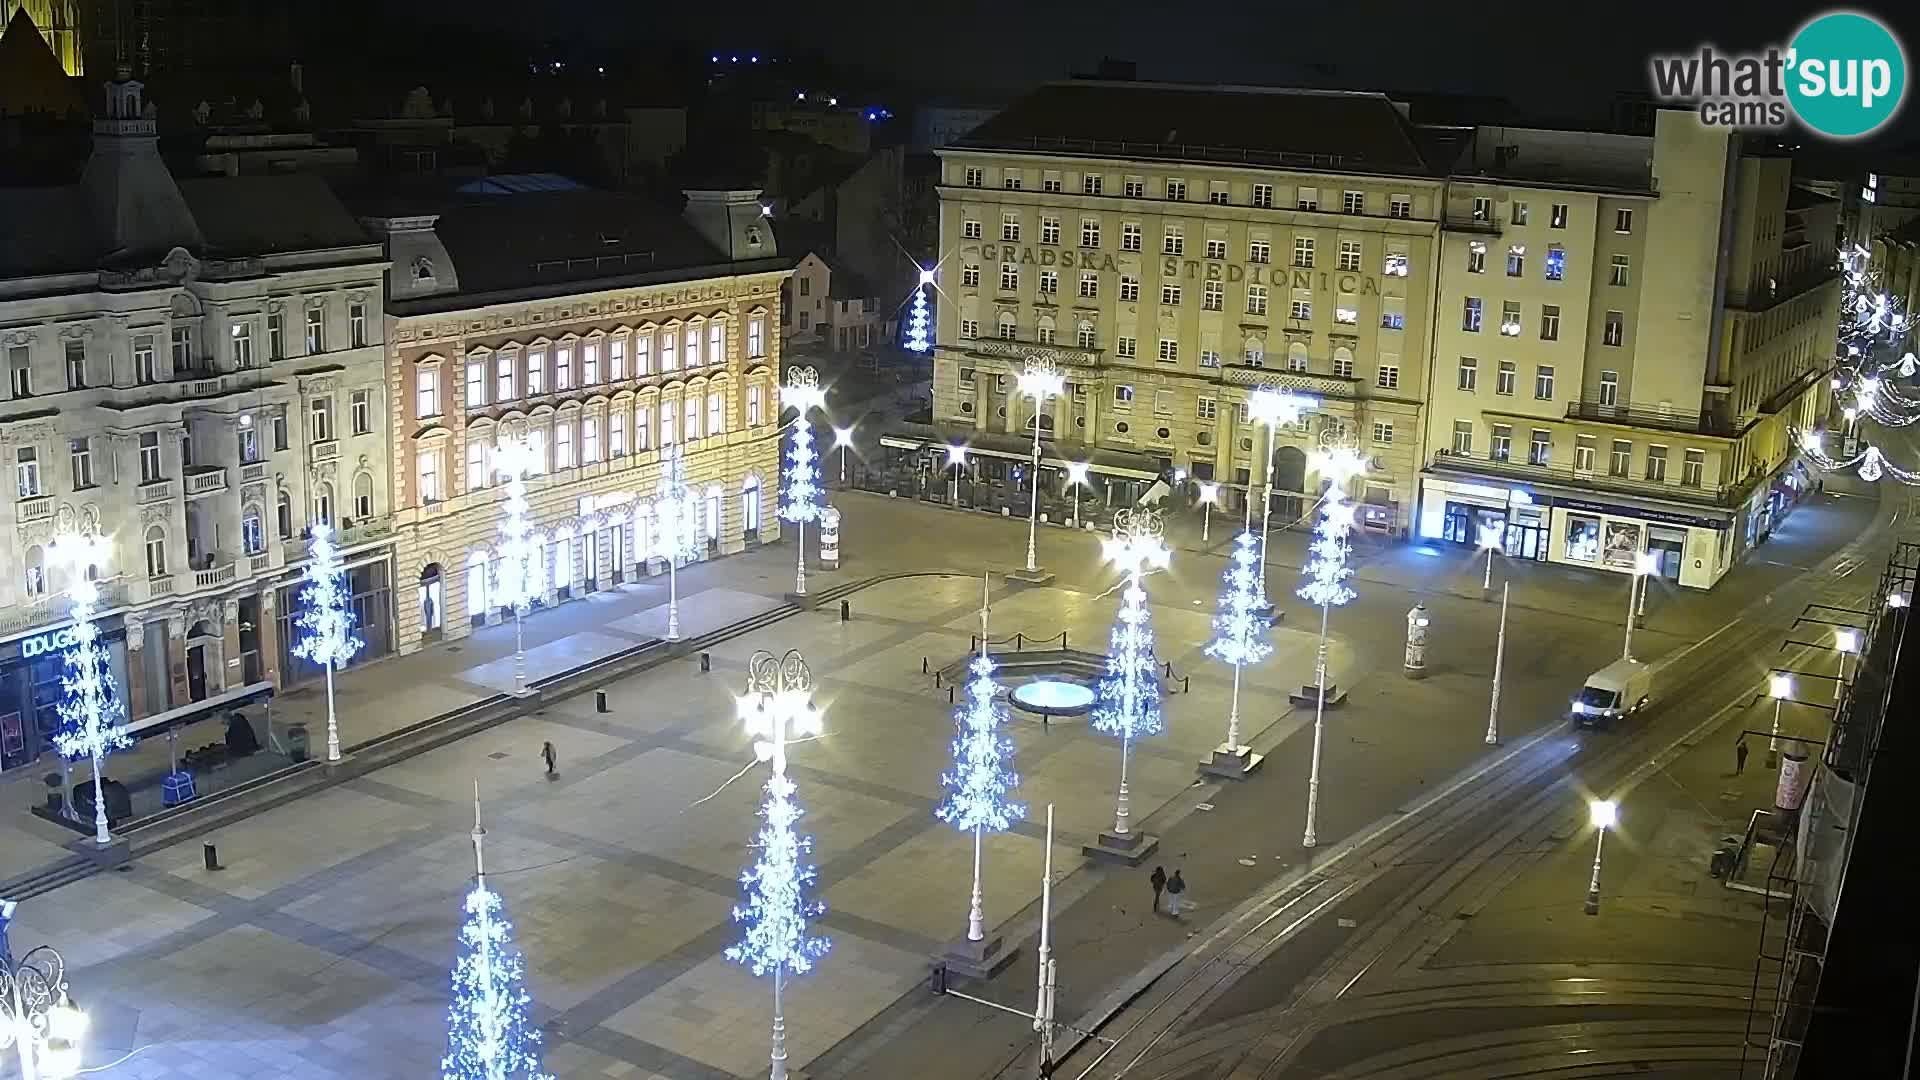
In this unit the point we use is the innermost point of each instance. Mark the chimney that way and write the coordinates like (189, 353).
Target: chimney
(733, 221)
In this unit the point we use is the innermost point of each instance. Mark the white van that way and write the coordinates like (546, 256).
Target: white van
(1616, 690)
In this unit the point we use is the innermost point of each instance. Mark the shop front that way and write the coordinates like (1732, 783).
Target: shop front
(31, 672)
(370, 584)
(1692, 550)
(1462, 513)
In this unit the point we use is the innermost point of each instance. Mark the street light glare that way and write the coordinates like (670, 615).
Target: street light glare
(1897, 600)
(843, 436)
(1490, 537)
(1847, 641)
(1076, 472)
(1604, 813)
(1780, 686)
(1645, 563)
(1041, 384)
(1208, 492)
(956, 455)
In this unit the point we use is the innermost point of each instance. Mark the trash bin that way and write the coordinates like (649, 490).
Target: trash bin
(297, 750)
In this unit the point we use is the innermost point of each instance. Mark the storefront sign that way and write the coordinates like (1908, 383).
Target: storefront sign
(1666, 516)
(52, 641)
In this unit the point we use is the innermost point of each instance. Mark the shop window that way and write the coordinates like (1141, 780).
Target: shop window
(1583, 538)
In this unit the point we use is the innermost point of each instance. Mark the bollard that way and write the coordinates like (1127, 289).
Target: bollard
(846, 611)
(211, 856)
(949, 695)
(600, 701)
(936, 680)
(923, 665)
(706, 662)
(1186, 684)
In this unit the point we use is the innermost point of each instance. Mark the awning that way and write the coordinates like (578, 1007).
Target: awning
(1010, 447)
(157, 724)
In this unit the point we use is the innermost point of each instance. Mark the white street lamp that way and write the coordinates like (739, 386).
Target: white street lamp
(1337, 463)
(1603, 813)
(842, 440)
(1780, 688)
(519, 561)
(1209, 492)
(1847, 642)
(1076, 478)
(956, 460)
(1897, 599)
(36, 1016)
(677, 528)
(92, 715)
(1272, 408)
(1499, 658)
(1643, 564)
(1039, 381)
(1491, 540)
(1646, 565)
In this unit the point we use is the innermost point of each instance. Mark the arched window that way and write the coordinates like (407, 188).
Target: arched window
(1343, 362)
(562, 559)
(156, 552)
(430, 596)
(323, 503)
(750, 505)
(1255, 352)
(1007, 329)
(1296, 356)
(253, 529)
(1043, 330)
(283, 514)
(36, 567)
(363, 495)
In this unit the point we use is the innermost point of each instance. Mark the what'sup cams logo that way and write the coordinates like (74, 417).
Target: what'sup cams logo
(1843, 76)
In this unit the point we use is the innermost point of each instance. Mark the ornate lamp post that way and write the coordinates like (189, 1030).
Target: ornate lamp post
(1603, 813)
(1490, 542)
(1129, 692)
(36, 1016)
(1337, 462)
(956, 460)
(678, 533)
(1039, 381)
(802, 392)
(1272, 408)
(842, 440)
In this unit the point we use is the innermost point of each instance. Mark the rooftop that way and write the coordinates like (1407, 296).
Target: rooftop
(1311, 129)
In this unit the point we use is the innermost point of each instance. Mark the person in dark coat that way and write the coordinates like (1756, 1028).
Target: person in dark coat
(1159, 882)
(1176, 894)
(1740, 755)
(547, 755)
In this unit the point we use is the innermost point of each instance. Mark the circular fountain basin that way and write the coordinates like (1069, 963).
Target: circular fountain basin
(1053, 697)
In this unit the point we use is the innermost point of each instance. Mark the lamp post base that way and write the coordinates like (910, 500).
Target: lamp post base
(1035, 577)
(980, 960)
(1232, 762)
(1130, 850)
(1309, 697)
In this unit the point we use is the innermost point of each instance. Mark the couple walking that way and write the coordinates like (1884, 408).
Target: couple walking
(1175, 887)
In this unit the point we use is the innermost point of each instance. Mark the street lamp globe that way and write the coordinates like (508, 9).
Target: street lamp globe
(1041, 381)
(1209, 493)
(1603, 813)
(1490, 537)
(956, 455)
(1076, 472)
(1338, 464)
(1897, 600)
(843, 436)
(1780, 686)
(1847, 641)
(1644, 562)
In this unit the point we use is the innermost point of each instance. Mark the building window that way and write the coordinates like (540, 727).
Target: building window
(1615, 330)
(1469, 374)
(1122, 396)
(1516, 260)
(357, 324)
(716, 413)
(316, 331)
(1693, 467)
(1540, 448)
(1010, 226)
(249, 440)
(283, 514)
(1213, 298)
(1543, 382)
(1550, 322)
(1392, 315)
(1009, 276)
(756, 336)
(1463, 437)
(1163, 404)
(1217, 194)
(590, 363)
(1256, 299)
(156, 552)
(1089, 232)
(1086, 336)
(1470, 318)
(1169, 351)
(563, 444)
(1397, 262)
(476, 383)
(1135, 188)
(80, 455)
(1621, 460)
(589, 440)
(643, 353)
(1302, 305)
(1609, 388)
(1303, 252)
(1010, 180)
(1209, 358)
(1345, 312)
(360, 412)
(1125, 347)
(320, 420)
(1501, 446)
(1263, 196)
(969, 279)
(1296, 356)
(563, 361)
(1259, 251)
(617, 432)
(1387, 377)
(1353, 202)
(76, 356)
(1176, 190)
(1518, 215)
(1621, 270)
(1050, 182)
(1399, 206)
(477, 465)
(1173, 241)
(1049, 282)
(1130, 236)
(1382, 433)
(182, 349)
(280, 442)
(643, 428)
(975, 177)
(1205, 408)
(1583, 538)
(429, 470)
(1476, 257)
(1050, 230)
(1129, 289)
(1089, 284)
(969, 329)
(1008, 330)
(536, 372)
(27, 471)
(1583, 454)
(1556, 262)
(1043, 333)
(1090, 184)
(1623, 221)
(1350, 255)
(1482, 208)
(970, 230)
(1170, 295)
(1558, 220)
(426, 392)
(20, 370)
(1307, 199)
(1505, 379)
(1510, 318)
(143, 365)
(1216, 249)
(504, 365)
(616, 359)
(1343, 362)
(276, 335)
(1656, 462)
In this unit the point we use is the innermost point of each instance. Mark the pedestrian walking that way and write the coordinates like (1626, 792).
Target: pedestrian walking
(1740, 755)
(1176, 894)
(547, 755)
(1159, 881)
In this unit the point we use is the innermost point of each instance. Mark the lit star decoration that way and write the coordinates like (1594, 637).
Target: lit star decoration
(677, 532)
(91, 719)
(1239, 633)
(917, 316)
(1327, 570)
(488, 1033)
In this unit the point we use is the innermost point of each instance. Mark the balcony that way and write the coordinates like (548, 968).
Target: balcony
(1455, 221)
(1714, 495)
(205, 480)
(253, 473)
(295, 551)
(1300, 382)
(261, 563)
(160, 586)
(325, 450)
(1658, 419)
(154, 491)
(32, 509)
(215, 577)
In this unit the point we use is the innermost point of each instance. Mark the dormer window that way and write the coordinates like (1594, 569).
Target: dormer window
(423, 269)
(753, 236)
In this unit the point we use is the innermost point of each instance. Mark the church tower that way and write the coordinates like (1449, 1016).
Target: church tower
(58, 22)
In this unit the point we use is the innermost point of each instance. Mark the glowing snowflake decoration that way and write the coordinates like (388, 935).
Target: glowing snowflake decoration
(979, 782)
(327, 624)
(489, 1036)
(776, 910)
(1239, 631)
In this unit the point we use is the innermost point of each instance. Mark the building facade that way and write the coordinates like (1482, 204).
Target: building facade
(194, 372)
(602, 332)
(1274, 238)
(1629, 328)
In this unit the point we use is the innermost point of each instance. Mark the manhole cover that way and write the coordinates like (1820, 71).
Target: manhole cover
(498, 754)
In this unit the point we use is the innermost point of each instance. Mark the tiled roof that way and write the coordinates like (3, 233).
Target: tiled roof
(1311, 129)
(269, 215)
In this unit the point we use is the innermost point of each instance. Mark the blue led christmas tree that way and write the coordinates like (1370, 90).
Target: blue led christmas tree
(1239, 628)
(980, 780)
(327, 624)
(91, 714)
(1127, 698)
(1326, 585)
(917, 317)
(489, 1036)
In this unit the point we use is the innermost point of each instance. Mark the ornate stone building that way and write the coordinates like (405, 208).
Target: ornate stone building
(193, 370)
